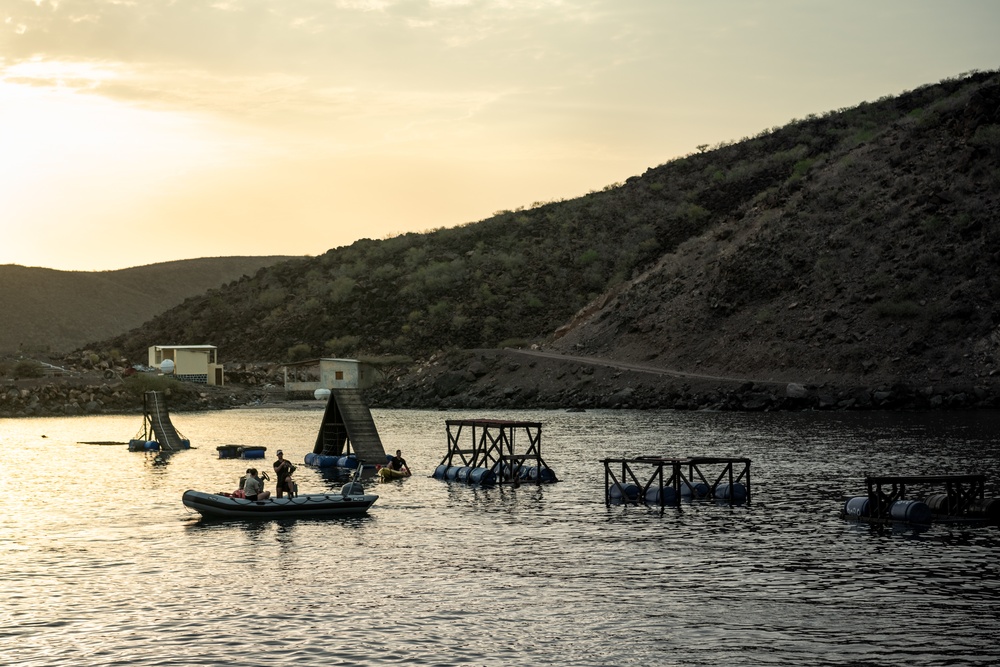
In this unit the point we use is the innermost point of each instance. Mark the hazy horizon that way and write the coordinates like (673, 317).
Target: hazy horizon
(139, 133)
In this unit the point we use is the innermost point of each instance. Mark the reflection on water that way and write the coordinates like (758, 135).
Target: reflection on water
(101, 564)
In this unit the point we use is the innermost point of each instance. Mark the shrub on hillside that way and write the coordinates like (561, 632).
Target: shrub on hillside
(140, 383)
(28, 368)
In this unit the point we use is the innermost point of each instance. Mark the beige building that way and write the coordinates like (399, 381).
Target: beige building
(308, 376)
(192, 363)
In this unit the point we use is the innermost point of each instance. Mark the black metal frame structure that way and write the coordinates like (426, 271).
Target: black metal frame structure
(964, 492)
(678, 471)
(495, 446)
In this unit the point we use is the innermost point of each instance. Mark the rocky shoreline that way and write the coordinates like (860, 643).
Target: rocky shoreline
(750, 397)
(66, 399)
(503, 380)
(509, 380)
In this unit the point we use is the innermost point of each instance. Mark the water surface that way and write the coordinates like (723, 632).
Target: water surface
(101, 564)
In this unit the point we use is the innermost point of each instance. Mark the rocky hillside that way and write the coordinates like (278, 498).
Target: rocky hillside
(50, 312)
(851, 255)
(867, 277)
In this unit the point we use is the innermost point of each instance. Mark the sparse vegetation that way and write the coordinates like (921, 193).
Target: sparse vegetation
(139, 383)
(28, 368)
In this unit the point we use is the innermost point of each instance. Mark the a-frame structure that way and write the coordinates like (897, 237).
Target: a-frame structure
(348, 428)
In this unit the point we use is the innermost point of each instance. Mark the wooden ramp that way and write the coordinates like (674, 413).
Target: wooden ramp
(348, 428)
(157, 422)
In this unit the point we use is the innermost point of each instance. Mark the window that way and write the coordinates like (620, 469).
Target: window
(339, 375)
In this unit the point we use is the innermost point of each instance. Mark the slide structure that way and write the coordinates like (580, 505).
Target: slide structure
(157, 423)
(348, 428)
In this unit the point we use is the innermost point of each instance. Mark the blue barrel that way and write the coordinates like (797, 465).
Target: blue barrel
(186, 444)
(697, 490)
(321, 460)
(440, 471)
(669, 496)
(253, 452)
(347, 462)
(151, 446)
(987, 508)
(463, 474)
(735, 492)
(939, 503)
(912, 511)
(451, 473)
(621, 492)
(546, 474)
(857, 508)
(482, 476)
(525, 472)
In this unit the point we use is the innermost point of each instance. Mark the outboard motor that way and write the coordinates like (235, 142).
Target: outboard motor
(352, 489)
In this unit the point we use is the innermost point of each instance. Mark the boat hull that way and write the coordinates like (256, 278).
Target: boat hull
(218, 506)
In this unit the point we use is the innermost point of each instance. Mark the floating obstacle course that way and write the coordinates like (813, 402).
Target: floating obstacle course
(347, 435)
(963, 500)
(157, 432)
(494, 454)
(662, 481)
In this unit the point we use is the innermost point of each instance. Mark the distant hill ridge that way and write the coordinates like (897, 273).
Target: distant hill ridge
(50, 311)
(859, 246)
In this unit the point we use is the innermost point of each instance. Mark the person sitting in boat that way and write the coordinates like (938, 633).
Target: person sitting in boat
(283, 470)
(397, 462)
(253, 487)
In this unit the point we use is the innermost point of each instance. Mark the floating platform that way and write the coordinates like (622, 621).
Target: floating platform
(655, 480)
(923, 499)
(325, 461)
(494, 453)
(241, 451)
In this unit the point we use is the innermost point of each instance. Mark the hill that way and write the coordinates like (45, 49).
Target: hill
(856, 248)
(54, 312)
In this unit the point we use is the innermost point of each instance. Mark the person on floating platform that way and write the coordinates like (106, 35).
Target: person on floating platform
(283, 470)
(253, 487)
(397, 462)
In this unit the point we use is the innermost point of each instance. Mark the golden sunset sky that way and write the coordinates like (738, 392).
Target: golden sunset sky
(141, 131)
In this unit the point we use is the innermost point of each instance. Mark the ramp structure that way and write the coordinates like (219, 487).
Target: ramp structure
(348, 428)
(156, 425)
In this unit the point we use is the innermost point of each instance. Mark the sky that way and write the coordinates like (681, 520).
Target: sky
(141, 131)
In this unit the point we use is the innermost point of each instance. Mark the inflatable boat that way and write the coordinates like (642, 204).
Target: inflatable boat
(385, 472)
(350, 501)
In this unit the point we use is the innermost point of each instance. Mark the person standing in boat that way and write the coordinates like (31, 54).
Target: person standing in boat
(283, 470)
(253, 487)
(397, 462)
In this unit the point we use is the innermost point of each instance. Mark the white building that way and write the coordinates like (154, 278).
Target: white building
(308, 376)
(193, 363)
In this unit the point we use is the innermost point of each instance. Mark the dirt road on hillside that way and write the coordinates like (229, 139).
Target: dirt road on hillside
(640, 368)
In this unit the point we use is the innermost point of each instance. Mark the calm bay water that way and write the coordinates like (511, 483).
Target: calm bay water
(101, 564)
